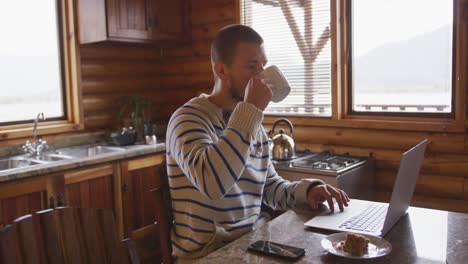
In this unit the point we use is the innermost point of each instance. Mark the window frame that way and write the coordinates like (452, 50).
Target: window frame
(349, 84)
(71, 75)
(341, 117)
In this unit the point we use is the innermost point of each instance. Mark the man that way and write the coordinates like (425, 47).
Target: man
(218, 160)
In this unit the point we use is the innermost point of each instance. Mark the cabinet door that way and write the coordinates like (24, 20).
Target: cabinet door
(130, 19)
(139, 176)
(90, 187)
(28, 196)
(172, 19)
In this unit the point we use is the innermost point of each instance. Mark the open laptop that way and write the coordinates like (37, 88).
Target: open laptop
(376, 218)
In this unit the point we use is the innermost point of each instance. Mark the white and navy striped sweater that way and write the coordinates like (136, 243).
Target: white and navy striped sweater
(219, 174)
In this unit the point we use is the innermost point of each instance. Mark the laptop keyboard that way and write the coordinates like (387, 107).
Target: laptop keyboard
(370, 220)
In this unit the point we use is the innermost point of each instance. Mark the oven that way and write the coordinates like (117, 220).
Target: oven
(352, 174)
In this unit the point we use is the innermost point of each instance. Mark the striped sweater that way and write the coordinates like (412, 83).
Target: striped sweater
(219, 175)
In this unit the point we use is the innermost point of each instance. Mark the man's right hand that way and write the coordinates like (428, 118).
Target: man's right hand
(258, 92)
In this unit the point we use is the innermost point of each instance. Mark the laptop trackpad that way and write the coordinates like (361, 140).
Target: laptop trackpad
(328, 220)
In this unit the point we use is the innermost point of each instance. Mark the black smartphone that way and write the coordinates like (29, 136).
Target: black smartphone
(276, 249)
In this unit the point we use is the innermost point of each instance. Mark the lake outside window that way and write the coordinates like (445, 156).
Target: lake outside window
(31, 79)
(401, 57)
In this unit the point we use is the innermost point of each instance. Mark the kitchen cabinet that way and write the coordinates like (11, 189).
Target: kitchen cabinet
(90, 187)
(28, 196)
(132, 21)
(139, 176)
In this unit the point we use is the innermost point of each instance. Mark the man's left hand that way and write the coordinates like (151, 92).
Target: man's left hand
(321, 192)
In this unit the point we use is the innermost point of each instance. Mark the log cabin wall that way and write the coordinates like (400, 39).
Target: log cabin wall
(169, 74)
(443, 183)
(111, 70)
(186, 68)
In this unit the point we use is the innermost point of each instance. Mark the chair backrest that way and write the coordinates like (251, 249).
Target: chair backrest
(8, 239)
(49, 237)
(152, 243)
(163, 210)
(90, 236)
(144, 245)
(63, 235)
(27, 243)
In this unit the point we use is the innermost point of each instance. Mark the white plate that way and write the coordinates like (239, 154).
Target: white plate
(377, 247)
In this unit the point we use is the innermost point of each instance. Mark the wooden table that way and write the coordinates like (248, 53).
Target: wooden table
(421, 236)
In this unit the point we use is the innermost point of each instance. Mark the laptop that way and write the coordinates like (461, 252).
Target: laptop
(375, 218)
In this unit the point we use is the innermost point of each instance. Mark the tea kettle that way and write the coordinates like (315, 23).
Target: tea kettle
(282, 146)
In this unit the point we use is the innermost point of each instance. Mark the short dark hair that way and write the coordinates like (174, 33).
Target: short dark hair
(225, 42)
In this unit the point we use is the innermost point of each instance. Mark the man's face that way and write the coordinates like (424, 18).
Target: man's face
(248, 61)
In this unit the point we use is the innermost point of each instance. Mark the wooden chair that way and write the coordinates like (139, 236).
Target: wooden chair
(49, 237)
(163, 211)
(63, 235)
(8, 254)
(144, 246)
(152, 243)
(90, 236)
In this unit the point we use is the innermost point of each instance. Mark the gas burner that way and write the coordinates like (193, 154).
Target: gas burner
(321, 165)
(324, 161)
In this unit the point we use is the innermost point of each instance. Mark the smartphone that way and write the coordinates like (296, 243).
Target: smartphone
(276, 249)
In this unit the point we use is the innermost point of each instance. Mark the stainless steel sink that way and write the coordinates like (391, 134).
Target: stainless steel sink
(59, 155)
(81, 152)
(53, 157)
(17, 162)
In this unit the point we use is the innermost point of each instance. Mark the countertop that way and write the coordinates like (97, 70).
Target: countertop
(421, 236)
(129, 152)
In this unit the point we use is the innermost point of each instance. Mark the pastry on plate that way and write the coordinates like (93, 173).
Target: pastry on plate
(355, 244)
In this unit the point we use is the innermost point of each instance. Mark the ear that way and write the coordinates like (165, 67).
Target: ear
(220, 70)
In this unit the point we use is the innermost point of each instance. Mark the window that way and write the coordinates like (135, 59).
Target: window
(296, 37)
(39, 63)
(401, 59)
(30, 61)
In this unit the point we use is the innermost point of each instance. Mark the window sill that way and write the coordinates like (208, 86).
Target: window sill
(47, 128)
(382, 123)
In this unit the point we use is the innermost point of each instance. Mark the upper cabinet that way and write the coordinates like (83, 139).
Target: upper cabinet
(133, 20)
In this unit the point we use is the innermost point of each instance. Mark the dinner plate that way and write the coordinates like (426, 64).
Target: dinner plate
(377, 247)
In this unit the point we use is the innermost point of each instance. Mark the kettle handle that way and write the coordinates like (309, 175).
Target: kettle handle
(282, 120)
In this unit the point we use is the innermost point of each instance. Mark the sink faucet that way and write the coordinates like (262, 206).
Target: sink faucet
(36, 146)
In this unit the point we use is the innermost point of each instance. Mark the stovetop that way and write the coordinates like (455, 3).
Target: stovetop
(322, 161)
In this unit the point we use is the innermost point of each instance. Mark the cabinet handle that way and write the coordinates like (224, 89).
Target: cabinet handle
(125, 185)
(60, 201)
(52, 202)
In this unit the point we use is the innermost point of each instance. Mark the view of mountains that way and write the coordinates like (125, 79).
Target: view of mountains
(422, 62)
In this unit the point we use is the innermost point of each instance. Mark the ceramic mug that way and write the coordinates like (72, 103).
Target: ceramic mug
(281, 87)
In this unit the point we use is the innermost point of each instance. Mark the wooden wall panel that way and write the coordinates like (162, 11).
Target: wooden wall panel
(465, 189)
(186, 68)
(170, 72)
(444, 186)
(112, 70)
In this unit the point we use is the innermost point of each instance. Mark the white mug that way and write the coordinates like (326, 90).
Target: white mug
(281, 87)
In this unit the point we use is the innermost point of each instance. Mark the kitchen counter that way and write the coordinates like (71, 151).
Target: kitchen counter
(55, 166)
(421, 236)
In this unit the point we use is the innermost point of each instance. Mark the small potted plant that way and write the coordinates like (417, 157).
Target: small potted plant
(134, 111)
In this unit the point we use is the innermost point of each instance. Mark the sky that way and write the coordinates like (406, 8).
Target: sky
(381, 21)
(26, 30)
(29, 47)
